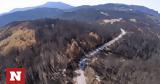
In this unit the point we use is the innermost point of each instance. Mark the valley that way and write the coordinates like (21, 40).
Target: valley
(90, 44)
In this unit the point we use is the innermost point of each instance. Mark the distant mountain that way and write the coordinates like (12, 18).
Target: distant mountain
(30, 15)
(58, 5)
(120, 7)
(21, 9)
(81, 13)
(109, 11)
(124, 7)
(145, 10)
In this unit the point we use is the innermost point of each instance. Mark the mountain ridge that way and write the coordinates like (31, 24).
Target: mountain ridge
(58, 5)
(76, 12)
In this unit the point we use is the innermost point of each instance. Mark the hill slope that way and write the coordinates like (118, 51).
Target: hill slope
(37, 44)
(54, 48)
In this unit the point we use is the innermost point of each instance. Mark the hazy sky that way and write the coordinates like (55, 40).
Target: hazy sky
(7, 5)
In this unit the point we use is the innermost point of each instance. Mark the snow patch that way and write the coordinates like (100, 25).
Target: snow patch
(133, 20)
(139, 29)
(158, 36)
(111, 21)
(130, 9)
(103, 13)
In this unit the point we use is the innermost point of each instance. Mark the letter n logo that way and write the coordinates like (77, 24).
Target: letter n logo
(15, 76)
